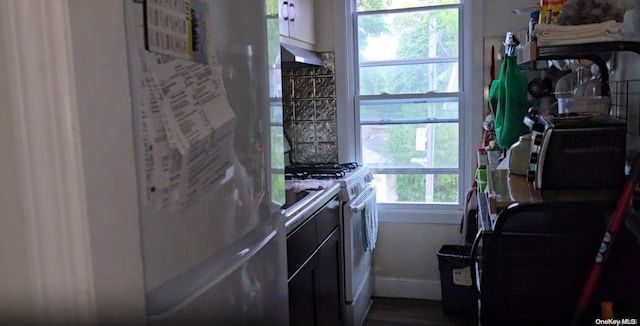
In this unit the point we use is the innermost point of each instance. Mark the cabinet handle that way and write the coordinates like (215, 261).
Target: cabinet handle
(284, 10)
(292, 13)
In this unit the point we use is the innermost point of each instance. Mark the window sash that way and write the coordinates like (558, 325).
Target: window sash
(405, 10)
(427, 98)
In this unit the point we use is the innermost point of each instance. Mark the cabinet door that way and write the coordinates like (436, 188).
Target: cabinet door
(297, 23)
(327, 219)
(302, 25)
(329, 298)
(302, 296)
(315, 291)
(283, 17)
(301, 244)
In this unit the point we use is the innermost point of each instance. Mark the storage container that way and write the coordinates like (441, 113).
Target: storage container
(459, 297)
(519, 155)
(595, 105)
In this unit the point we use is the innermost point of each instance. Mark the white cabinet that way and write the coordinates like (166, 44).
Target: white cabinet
(297, 23)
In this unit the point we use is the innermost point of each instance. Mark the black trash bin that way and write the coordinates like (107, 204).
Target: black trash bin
(459, 298)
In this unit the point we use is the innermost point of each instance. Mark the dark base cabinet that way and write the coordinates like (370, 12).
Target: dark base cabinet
(302, 297)
(315, 271)
(329, 294)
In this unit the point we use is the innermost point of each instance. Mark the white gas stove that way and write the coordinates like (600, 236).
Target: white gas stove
(352, 177)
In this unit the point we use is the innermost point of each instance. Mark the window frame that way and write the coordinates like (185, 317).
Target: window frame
(471, 116)
(358, 99)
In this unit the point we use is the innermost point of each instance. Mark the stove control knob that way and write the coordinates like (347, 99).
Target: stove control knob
(533, 159)
(368, 177)
(355, 190)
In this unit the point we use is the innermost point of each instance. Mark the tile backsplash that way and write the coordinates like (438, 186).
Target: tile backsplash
(309, 107)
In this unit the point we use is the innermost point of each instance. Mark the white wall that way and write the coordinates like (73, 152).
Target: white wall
(499, 17)
(405, 260)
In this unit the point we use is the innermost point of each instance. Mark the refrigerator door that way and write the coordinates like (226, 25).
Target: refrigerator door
(213, 238)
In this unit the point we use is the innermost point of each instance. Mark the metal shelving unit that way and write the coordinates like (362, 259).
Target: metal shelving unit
(592, 51)
(618, 91)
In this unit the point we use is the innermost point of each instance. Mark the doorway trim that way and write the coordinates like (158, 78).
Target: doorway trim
(43, 103)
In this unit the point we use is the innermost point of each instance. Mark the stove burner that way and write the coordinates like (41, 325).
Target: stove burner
(351, 166)
(327, 175)
(319, 170)
(291, 175)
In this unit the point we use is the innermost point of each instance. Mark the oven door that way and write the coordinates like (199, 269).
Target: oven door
(358, 261)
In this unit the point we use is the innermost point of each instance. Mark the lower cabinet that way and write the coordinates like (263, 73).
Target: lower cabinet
(328, 290)
(315, 287)
(302, 297)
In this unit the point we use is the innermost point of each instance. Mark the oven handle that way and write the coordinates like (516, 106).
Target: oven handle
(360, 201)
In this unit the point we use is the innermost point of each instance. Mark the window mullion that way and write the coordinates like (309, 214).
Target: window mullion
(375, 170)
(405, 122)
(385, 63)
(408, 97)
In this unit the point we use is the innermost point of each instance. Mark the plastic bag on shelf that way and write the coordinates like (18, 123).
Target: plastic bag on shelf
(509, 103)
(580, 12)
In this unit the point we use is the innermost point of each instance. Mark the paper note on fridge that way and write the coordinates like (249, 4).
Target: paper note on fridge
(207, 89)
(186, 101)
(194, 104)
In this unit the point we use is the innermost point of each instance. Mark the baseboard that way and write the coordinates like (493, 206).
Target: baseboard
(393, 287)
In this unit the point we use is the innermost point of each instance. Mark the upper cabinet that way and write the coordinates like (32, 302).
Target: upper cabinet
(297, 23)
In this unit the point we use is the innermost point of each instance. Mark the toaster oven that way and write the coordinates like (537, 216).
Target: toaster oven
(577, 153)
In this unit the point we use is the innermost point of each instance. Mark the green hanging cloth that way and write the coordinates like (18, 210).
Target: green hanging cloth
(509, 103)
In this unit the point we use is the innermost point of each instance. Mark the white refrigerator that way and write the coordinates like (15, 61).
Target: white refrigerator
(213, 239)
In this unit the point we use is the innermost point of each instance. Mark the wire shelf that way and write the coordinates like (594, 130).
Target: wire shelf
(624, 96)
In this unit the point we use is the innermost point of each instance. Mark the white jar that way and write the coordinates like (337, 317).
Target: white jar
(519, 155)
(483, 160)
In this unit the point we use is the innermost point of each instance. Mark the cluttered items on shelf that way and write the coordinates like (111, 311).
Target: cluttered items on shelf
(581, 12)
(580, 21)
(554, 34)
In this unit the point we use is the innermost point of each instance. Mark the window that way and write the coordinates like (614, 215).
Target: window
(408, 97)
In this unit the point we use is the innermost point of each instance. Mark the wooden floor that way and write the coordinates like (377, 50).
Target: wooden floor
(397, 311)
